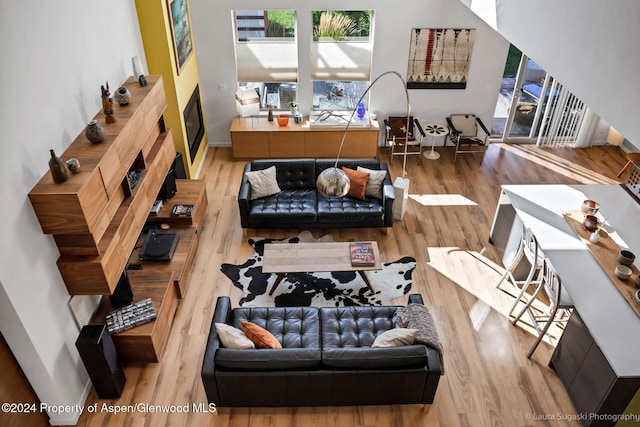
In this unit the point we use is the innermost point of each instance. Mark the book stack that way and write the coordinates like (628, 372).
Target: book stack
(362, 254)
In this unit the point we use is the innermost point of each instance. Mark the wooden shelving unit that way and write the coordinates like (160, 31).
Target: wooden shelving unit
(97, 216)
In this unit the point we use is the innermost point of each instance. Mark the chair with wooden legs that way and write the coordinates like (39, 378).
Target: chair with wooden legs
(528, 249)
(559, 303)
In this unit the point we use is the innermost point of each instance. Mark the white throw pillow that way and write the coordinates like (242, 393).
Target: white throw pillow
(395, 337)
(263, 182)
(374, 185)
(233, 337)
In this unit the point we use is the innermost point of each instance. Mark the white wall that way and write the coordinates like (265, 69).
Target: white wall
(213, 39)
(55, 57)
(590, 46)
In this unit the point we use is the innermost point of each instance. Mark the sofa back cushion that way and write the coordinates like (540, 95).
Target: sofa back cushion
(355, 326)
(294, 327)
(291, 174)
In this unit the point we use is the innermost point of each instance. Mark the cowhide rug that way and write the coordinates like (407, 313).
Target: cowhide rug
(325, 289)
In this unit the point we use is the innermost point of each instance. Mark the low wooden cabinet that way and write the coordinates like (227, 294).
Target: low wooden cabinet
(257, 138)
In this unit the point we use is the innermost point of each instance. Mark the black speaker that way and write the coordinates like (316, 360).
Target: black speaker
(123, 294)
(168, 189)
(177, 167)
(101, 360)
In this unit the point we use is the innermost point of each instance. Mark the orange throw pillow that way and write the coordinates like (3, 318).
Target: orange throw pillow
(260, 336)
(358, 182)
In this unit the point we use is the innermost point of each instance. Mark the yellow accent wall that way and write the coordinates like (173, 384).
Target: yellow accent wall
(154, 20)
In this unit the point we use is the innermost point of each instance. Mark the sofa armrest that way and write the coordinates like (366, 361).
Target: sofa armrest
(388, 197)
(244, 198)
(221, 314)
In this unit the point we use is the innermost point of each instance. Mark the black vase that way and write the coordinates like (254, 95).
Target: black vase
(58, 168)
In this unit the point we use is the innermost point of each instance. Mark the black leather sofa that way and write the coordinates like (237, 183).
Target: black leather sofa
(326, 360)
(299, 205)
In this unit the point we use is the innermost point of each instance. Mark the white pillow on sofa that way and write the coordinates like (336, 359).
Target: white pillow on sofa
(263, 182)
(233, 337)
(395, 337)
(374, 185)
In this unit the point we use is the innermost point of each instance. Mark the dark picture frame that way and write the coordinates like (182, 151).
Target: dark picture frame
(180, 32)
(439, 58)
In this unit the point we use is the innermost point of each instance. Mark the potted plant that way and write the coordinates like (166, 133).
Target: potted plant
(293, 104)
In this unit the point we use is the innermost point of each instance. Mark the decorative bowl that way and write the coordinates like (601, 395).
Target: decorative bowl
(283, 120)
(590, 207)
(638, 296)
(591, 222)
(623, 272)
(626, 257)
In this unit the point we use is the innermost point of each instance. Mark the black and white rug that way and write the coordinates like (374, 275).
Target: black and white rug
(330, 289)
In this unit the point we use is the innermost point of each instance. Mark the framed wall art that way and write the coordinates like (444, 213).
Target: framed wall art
(439, 58)
(180, 31)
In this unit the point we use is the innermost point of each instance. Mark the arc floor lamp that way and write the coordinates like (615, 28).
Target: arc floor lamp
(334, 182)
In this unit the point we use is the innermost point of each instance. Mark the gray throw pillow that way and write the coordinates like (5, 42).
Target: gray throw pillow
(263, 182)
(374, 185)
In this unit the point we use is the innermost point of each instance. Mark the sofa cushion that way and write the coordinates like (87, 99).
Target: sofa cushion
(374, 358)
(260, 336)
(358, 182)
(355, 326)
(395, 337)
(263, 183)
(294, 327)
(286, 206)
(233, 338)
(291, 174)
(267, 359)
(339, 210)
(375, 182)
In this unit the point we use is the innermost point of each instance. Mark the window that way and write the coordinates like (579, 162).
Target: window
(340, 58)
(267, 55)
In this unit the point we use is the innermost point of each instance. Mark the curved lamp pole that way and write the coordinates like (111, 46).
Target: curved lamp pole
(333, 182)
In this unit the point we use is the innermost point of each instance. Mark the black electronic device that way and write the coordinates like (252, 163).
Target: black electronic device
(101, 360)
(123, 294)
(159, 245)
(168, 188)
(177, 168)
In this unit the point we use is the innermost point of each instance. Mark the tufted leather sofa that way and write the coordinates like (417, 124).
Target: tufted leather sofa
(299, 205)
(326, 360)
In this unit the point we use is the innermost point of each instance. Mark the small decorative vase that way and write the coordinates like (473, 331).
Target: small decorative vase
(361, 110)
(58, 168)
(594, 237)
(122, 96)
(73, 165)
(270, 115)
(94, 132)
(294, 110)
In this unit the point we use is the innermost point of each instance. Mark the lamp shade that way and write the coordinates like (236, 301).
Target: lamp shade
(333, 182)
(247, 102)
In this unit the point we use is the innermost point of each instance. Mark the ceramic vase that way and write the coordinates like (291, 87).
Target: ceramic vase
(94, 132)
(122, 96)
(361, 110)
(58, 168)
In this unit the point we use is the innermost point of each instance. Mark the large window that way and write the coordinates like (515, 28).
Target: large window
(267, 55)
(340, 58)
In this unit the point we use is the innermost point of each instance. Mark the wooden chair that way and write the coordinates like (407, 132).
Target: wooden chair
(397, 137)
(465, 135)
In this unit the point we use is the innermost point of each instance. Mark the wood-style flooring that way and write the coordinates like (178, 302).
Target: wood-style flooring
(488, 380)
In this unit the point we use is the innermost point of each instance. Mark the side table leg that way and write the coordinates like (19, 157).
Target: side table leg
(277, 282)
(366, 280)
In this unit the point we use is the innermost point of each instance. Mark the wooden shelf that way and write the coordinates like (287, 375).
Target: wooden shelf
(145, 343)
(255, 137)
(189, 192)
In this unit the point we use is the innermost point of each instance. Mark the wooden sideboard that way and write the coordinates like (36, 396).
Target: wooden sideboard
(258, 138)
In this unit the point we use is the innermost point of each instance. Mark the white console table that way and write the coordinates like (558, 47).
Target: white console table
(598, 356)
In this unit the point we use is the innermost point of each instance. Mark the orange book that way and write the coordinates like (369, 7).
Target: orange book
(362, 253)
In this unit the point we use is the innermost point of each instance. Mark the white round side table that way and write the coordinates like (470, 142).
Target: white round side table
(434, 130)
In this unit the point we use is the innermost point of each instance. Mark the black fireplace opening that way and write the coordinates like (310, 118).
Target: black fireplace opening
(193, 122)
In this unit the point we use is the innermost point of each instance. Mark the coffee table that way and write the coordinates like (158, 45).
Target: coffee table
(283, 258)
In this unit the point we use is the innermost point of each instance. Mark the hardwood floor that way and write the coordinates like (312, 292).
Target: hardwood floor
(488, 379)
